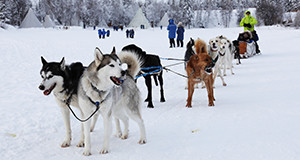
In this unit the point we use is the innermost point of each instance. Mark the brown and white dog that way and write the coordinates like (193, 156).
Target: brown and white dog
(199, 68)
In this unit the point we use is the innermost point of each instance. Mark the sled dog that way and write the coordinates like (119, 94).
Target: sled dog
(226, 55)
(63, 81)
(109, 84)
(190, 51)
(213, 51)
(199, 68)
(149, 60)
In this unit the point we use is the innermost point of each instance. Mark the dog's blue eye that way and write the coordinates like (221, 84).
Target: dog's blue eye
(112, 65)
(50, 76)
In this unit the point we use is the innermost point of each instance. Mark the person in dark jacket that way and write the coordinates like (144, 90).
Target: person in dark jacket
(127, 33)
(172, 32)
(99, 33)
(108, 33)
(131, 33)
(180, 31)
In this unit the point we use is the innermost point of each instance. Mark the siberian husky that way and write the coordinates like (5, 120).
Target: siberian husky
(109, 84)
(63, 81)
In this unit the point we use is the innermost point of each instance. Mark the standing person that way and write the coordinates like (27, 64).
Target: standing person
(108, 33)
(248, 23)
(180, 31)
(131, 33)
(127, 33)
(103, 33)
(99, 33)
(172, 32)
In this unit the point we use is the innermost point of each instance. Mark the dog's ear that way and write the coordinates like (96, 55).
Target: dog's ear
(98, 56)
(43, 60)
(113, 51)
(62, 63)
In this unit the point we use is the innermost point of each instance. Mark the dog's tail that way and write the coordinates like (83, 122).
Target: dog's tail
(133, 62)
(200, 46)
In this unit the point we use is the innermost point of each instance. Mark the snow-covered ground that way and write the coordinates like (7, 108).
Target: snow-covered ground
(255, 117)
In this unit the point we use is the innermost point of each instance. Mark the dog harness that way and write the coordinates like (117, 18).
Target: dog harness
(97, 104)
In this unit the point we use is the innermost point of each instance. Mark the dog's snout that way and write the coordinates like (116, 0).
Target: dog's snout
(41, 87)
(123, 73)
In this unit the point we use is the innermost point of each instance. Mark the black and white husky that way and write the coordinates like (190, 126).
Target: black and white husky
(63, 81)
(109, 84)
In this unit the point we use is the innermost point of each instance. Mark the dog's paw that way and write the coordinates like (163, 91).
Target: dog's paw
(211, 104)
(224, 84)
(103, 151)
(80, 144)
(118, 134)
(142, 141)
(66, 143)
(87, 153)
(188, 105)
(125, 136)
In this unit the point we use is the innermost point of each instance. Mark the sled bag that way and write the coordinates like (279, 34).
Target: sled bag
(243, 47)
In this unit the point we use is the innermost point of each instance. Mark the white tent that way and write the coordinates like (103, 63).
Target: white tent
(48, 23)
(164, 21)
(139, 19)
(30, 20)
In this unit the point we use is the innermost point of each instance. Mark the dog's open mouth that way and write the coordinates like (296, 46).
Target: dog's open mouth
(208, 69)
(117, 81)
(48, 91)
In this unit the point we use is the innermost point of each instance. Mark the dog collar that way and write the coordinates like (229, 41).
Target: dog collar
(222, 54)
(96, 89)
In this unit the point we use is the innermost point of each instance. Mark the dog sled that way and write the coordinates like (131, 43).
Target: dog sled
(246, 45)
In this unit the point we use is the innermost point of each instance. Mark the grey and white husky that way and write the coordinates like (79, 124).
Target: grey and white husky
(109, 84)
(63, 81)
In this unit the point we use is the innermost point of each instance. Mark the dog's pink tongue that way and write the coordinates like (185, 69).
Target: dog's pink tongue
(46, 92)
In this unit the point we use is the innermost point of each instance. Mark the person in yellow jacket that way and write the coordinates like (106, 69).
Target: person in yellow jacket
(248, 23)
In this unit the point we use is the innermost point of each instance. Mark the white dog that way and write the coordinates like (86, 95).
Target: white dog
(213, 51)
(226, 55)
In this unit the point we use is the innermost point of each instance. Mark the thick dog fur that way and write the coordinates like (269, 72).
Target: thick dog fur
(226, 55)
(199, 68)
(149, 60)
(236, 51)
(63, 81)
(213, 51)
(107, 82)
(190, 51)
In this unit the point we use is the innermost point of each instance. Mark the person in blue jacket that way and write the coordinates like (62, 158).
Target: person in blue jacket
(103, 33)
(99, 33)
(172, 32)
(180, 31)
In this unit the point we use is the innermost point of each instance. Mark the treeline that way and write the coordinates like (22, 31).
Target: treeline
(120, 12)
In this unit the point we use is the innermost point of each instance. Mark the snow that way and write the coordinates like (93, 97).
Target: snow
(255, 117)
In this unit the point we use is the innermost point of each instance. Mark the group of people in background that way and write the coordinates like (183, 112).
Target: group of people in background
(173, 29)
(102, 33)
(247, 22)
(130, 33)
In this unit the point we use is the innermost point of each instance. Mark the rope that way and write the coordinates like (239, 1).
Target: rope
(97, 104)
(175, 59)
